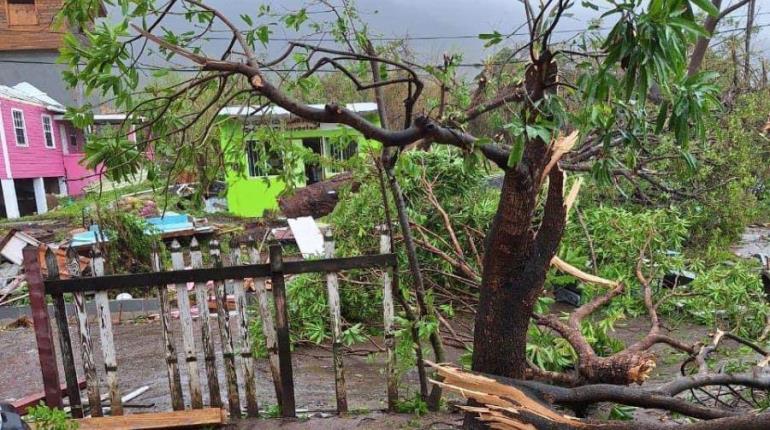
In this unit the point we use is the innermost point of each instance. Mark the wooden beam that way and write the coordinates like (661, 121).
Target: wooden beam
(172, 360)
(28, 401)
(188, 330)
(223, 317)
(335, 318)
(209, 355)
(288, 408)
(145, 280)
(65, 344)
(43, 333)
(389, 316)
(162, 420)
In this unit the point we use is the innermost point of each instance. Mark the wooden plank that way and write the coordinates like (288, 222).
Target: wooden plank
(201, 299)
(333, 294)
(30, 400)
(145, 280)
(106, 337)
(388, 314)
(172, 367)
(43, 332)
(244, 343)
(65, 344)
(268, 328)
(84, 333)
(186, 322)
(233, 398)
(288, 408)
(208, 417)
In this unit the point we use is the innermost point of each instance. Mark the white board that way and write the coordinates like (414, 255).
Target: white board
(15, 245)
(308, 236)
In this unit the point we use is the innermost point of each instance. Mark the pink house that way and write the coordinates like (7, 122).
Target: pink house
(41, 151)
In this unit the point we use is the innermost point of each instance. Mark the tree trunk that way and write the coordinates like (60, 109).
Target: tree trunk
(702, 44)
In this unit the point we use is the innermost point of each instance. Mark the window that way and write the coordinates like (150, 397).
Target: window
(22, 12)
(19, 128)
(262, 161)
(48, 132)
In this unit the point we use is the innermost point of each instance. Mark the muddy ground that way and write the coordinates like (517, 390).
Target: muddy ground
(140, 363)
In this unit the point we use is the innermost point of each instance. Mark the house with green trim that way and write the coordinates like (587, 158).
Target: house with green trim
(267, 149)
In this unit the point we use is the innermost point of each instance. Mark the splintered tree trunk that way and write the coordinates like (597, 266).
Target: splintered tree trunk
(510, 286)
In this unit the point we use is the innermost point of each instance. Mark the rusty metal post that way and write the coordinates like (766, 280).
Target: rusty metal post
(43, 332)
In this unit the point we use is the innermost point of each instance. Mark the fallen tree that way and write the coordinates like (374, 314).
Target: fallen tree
(505, 403)
(316, 200)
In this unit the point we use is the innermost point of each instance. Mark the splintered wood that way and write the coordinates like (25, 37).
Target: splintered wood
(501, 405)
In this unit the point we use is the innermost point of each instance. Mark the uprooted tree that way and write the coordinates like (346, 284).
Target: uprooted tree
(555, 106)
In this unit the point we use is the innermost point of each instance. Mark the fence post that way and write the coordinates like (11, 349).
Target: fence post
(244, 343)
(105, 334)
(288, 408)
(185, 320)
(201, 297)
(268, 328)
(43, 332)
(65, 344)
(388, 318)
(84, 332)
(172, 368)
(233, 399)
(332, 287)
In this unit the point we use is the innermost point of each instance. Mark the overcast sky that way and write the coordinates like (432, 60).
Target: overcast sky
(451, 24)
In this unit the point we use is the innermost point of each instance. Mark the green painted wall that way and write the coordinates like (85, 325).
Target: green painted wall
(252, 196)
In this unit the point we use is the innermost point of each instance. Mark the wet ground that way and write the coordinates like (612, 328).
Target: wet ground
(141, 362)
(755, 240)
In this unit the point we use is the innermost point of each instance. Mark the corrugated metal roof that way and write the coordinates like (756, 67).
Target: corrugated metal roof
(361, 107)
(27, 92)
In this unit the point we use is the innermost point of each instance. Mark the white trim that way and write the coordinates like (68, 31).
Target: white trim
(9, 197)
(4, 143)
(23, 128)
(64, 139)
(50, 125)
(63, 191)
(40, 202)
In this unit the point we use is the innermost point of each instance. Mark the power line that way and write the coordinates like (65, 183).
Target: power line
(476, 65)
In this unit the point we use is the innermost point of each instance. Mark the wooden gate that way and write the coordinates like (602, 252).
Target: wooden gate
(241, 264)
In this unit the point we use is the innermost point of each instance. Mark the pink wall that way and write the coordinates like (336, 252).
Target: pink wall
(78, 177)
(35, 159)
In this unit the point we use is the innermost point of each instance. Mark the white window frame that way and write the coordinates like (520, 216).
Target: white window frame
(50, 130)
(23, 127)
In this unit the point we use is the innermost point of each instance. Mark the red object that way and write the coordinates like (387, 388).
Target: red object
(43, 332)
(28, 401)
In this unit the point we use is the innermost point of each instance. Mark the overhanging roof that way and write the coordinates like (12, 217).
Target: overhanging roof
(278, 112)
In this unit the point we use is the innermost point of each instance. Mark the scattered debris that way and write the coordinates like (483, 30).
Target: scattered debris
(21, 322)
(26, 402)
(13, 243)
(307, 235)
(677, 278)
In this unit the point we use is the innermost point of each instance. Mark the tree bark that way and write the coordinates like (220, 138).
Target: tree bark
(317, 199)
(702, 44)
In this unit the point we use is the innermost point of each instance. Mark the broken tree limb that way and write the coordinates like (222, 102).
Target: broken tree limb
(317, 199)
(507, 403)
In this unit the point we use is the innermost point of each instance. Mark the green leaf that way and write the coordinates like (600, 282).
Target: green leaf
(517, 152)
(247, 20)
(706, 6)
